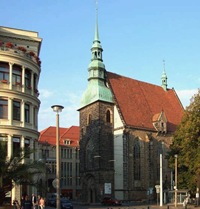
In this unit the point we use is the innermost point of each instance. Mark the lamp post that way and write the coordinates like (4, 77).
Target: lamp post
(161, 180)
(57, 109)
(161, 174)
(175, 187)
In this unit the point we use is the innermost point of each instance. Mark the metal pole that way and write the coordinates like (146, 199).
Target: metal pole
(161, 182)
(175, 188)
(57, 109)
(57, 161)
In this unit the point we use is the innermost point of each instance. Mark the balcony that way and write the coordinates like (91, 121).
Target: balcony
(4, 84)
(21, 51)
(17, 87)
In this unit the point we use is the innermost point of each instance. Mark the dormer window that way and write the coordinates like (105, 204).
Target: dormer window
(160, 122)
(67, 142)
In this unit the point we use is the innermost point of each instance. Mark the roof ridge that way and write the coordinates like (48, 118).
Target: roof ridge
(138, 80)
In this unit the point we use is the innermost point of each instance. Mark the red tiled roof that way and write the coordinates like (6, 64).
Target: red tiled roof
(139, 102)
(48, 135)
(71, 134)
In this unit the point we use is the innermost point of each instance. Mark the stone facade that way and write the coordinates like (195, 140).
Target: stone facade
(96, 153)
(149, 145)
(126, 127)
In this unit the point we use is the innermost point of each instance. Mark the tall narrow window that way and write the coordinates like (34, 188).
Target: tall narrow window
(27, 142)
(16, 110)
(27, 113)
(136, 161)
(35, 116)
(35, 83)
(17, 75)
(89, 119)
(4, 72)
(108, 117)
(4, 144)
(28, 78)
(16, 144)
(27, 145)
(77, 174)
(3, 109)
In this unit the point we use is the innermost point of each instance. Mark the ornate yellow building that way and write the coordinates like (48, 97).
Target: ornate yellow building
(19, 104)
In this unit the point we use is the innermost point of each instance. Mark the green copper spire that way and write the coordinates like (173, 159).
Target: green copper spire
(96, 89)
(164, 78)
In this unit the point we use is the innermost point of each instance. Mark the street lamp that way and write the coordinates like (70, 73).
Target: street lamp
(161, 174)
(57, 109)
(175, 187)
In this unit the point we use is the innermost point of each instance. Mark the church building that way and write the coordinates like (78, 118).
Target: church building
(125, 126)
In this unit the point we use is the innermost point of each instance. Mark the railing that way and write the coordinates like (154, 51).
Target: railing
(29, 55)
(19, 87)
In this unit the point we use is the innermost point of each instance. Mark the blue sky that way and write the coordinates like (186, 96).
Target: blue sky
(136, 35)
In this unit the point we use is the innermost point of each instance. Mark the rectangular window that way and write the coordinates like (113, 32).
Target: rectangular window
(28, 79)
(69, 174)
(34, 116)
(27, 142)
(69, 153)
(4, 72)
(16, 144)
(77, 175)
(77, 153)
(16, 110)
(17, 75)
(35, 83)
(3, 109)
(27, 113)
(4, 143)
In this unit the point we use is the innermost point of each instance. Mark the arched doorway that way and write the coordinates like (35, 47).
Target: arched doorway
(89, 189)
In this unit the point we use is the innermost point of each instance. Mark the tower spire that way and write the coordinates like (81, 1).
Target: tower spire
(97, 89)
(96, 36)
(164, 77)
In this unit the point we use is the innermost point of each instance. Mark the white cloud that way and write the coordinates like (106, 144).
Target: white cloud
(186, 95)
(44, 93)
(68, 117)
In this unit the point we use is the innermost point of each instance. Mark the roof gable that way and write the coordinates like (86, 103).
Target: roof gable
(139, 101)
(48, 135)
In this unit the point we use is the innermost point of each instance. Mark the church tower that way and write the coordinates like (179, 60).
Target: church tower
(96, 130)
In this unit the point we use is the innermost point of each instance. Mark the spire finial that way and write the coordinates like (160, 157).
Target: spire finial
(96, 37)
(164, 65)
(96, 7)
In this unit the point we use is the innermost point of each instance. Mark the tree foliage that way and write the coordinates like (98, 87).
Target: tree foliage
(15, 171)
(186, 144)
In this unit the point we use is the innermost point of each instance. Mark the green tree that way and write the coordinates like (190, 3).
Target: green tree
(186, 144)
(14, 171)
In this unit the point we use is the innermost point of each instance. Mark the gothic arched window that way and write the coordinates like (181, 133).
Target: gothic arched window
(136, 161)
(89, 119)
(108, 116)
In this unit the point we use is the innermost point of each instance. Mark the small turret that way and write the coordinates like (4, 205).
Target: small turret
(164, 78)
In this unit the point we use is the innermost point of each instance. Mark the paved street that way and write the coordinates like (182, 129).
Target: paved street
(128, 206)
